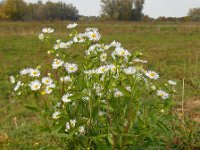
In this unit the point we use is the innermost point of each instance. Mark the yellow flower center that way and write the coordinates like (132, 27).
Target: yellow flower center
(72, 68)
(103, 69)
(161, 94)
(122, 52)
(94, 35)
(152, 74)
(43, 93)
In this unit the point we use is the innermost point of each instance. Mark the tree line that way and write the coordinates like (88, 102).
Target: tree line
(130, 10)
(111, 9)
(18, 10)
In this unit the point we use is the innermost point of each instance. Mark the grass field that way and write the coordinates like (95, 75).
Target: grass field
(171, 49)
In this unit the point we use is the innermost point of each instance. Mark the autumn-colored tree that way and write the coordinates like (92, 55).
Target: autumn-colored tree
(14, 9)
(2, 13)
(20, 10)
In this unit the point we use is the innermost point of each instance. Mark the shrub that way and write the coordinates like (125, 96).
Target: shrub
(107, 101)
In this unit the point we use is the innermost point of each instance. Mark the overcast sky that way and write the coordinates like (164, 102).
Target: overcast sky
(153, 8)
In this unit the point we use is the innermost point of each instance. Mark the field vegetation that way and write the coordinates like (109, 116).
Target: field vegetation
(171, 49)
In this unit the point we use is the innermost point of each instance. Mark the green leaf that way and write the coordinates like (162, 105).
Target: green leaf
(111, 109)
(59, 126)
(124, 91)
(32, 108)
(162, 126)
(78, 96)
(62, 135)
(110, 139)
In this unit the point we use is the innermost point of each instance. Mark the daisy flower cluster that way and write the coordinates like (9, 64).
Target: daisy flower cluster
(45, 31)
(85, 98)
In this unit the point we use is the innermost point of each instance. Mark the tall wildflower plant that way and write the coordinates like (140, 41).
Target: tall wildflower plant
(108, 101)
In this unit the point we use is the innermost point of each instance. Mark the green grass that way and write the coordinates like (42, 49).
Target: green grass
(173, 50)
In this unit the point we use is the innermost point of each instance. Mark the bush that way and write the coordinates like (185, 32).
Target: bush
(108, 101)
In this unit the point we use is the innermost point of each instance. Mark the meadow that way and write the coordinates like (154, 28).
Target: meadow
(172, 49)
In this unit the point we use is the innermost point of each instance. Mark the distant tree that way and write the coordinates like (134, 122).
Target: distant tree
(14, 9)
(111, 8)
(137, 10)
(122, 9)
(194, 14)
(2, 13)
(19, 10)
(125, 9)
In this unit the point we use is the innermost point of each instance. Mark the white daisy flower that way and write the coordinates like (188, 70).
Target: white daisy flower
(57, 63)
(94, 36)
(71, 26)
(17, 85)
(12, 79)
(56, 114)
(162, 94)
(104, 101)
(103, 57)
(112, 68)
(47, 80)
(118, 93)
(66, 79)
(56, 46)
(119, 51)
(90, 72)
(101, 113)
(152, 75)
(35, 85)
(128, 88)
(91, 29)
(153, 87)
(48, 90)
(71, 68)
(73, 122)
(102, 70)
(79, 38)
(66, 99)
(140, 61)
(81, 130)
(34, 73)
(85, 98)
(115, 44)
(41, 36)
(93, 49)
(173, 83)
(64, 45)
(52, 85)
(130, 70)
(58, 41)
(25, 71)
(47, 30)
(58, 105)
